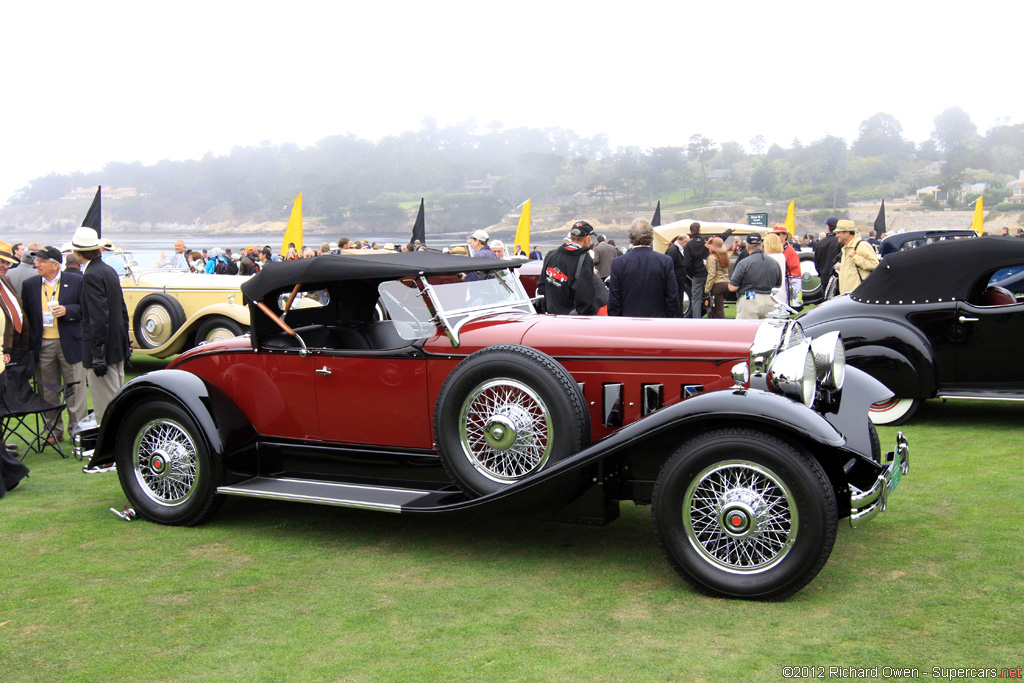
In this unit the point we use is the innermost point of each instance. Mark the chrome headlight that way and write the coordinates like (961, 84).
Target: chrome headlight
(793, 374)
(830, 357)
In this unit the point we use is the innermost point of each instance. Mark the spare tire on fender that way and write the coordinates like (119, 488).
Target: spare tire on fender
(505, 413)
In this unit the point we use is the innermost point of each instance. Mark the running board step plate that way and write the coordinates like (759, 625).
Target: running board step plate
(330, 493)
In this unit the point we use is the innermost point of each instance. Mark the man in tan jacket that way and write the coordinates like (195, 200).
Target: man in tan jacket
(859, 257)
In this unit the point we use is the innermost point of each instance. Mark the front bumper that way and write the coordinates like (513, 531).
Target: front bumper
(865, 505)
(84, 444)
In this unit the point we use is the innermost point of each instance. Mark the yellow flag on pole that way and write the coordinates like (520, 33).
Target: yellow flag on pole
(293, 233)
(791, 219)
(523, 231)
(978, 224)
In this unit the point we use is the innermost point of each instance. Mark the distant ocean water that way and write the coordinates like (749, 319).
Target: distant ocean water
(146, 249)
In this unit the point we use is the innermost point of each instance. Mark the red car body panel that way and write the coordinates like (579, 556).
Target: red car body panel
(337, 396)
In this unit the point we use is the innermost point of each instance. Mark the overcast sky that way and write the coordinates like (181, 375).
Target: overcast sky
(87, 83)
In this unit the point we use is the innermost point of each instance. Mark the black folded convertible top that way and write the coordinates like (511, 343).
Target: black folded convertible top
(944, 271)
(375, 266)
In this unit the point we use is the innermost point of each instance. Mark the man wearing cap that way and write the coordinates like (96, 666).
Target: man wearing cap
(54, 314)
(15, 328)
(858, 257)
(478, 245)
(826, 251)
(794, 282)
(104, 322)
(567, 275)
(753, 279)
(643, 281)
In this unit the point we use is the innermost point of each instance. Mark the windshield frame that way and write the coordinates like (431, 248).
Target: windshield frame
(452, 319)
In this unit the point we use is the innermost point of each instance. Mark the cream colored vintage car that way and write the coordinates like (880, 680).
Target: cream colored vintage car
(171, 310)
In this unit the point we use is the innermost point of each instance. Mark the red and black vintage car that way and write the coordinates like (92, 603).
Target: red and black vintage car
(385, 382)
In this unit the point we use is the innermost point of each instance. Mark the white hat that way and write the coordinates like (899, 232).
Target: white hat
(480, 235)
(85, 239)
(67, 248)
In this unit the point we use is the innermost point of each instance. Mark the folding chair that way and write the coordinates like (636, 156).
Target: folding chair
(21, 407)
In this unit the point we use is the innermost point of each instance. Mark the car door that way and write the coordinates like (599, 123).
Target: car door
(372, 399)
(985, 360)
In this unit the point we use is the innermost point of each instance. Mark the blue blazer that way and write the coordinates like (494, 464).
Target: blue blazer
(69, 326)
(643, 285)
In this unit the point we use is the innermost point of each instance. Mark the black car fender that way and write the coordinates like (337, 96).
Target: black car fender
(672, 425)
(891, 351)
(228, 433)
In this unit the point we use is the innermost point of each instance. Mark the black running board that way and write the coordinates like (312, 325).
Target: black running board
(382, 498)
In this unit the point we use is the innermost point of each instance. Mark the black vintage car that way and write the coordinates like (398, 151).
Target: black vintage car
(902, 241)
(940, 321)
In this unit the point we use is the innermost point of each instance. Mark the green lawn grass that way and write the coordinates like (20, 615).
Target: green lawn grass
(273, 591)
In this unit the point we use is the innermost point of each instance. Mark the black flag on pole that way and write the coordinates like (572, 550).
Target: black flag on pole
(880, 222)
(656, 221)
(419, 228)
(92, 217)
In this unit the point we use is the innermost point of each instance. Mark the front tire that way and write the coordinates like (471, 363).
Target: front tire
(744, 514)
(893, 412)
(505, 413)
(165, 466)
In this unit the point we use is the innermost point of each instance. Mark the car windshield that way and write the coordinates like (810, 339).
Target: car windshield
(456, 301)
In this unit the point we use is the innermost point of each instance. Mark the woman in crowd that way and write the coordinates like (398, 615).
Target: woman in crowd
(717, 283)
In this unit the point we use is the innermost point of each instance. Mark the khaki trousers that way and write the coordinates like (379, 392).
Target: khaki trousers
(53, 369)
(759, 308)
(103, 388)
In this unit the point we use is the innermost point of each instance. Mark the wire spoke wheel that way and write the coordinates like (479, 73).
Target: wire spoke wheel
(505, 413)
(745, 514)
(505, 430)
(165, 462)
(740, 516)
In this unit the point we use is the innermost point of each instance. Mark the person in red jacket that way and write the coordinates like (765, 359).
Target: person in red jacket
(794, 282)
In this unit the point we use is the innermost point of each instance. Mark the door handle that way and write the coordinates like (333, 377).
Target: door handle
(323, 371)
(965, 319)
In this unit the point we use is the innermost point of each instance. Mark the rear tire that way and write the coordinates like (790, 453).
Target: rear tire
(893, 412)
(217, 328)
(744, 514)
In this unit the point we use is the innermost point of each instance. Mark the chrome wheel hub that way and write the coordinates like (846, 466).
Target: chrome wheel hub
(166, 462)
(505, 430)
(740, 517)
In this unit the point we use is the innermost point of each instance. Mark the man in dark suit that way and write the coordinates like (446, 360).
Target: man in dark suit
(104, 322)
(54, 315)
(675, 252)
(643, 281)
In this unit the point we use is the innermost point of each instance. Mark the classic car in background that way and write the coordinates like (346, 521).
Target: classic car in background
(749, 440)
(940, 321)
(902, 241)
(171, 310)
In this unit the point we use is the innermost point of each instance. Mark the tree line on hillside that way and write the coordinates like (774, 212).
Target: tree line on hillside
(350, 181)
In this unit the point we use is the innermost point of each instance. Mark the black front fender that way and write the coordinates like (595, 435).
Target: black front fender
(707, 411)
(225, 428)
